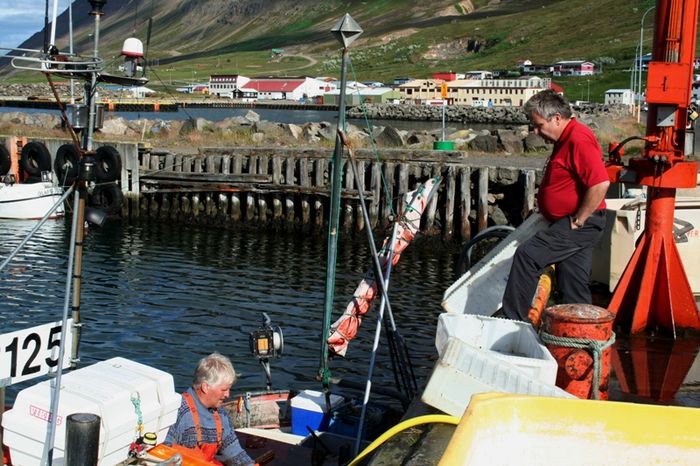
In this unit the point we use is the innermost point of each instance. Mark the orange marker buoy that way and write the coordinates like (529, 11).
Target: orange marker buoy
(539, 302)
(6, 455)
(579, 336)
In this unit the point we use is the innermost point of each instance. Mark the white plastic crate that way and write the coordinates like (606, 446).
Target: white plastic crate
(464, 370)
(509, 340)
(105, 389)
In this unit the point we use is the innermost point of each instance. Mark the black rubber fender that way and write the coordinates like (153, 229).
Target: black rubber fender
(35, 158)
(108, 164)
(108, 197)
(5, 161)
(67, 164)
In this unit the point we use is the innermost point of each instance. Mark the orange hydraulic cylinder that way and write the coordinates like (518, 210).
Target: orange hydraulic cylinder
(579, 321)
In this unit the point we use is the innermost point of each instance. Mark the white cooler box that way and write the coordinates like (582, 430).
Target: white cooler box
(512, 341)
(110, 389)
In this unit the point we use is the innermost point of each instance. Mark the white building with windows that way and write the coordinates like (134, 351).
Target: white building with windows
(297, 89)
(619, 97)
(495, 92)
(226, 85)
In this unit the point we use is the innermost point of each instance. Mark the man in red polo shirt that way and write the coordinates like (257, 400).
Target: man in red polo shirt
(572, 197)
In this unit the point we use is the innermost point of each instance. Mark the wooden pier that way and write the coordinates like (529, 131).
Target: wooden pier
(291, 187)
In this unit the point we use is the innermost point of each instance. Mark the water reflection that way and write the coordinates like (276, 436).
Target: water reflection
(165, 295)
(657, 370)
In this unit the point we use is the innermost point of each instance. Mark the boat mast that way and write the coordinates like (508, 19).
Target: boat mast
(86, 173)
(345, 31)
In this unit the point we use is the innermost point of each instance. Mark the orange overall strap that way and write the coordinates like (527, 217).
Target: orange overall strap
(219, 428)
(195, 417)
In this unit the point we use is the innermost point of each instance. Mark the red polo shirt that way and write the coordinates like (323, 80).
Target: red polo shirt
(575, 165)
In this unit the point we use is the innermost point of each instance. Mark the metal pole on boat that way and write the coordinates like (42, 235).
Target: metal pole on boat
(70, 48)
(375, 344)
(407, 380)
(97, 6)
(345, 31)
(47, 454)
(85, 176)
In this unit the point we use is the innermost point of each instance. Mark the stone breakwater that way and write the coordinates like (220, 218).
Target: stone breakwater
(473, 115)
(250, 129)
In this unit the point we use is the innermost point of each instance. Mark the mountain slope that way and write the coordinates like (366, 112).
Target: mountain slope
(194, 38)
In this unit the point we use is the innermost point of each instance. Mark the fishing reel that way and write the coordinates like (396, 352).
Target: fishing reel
(267, 342)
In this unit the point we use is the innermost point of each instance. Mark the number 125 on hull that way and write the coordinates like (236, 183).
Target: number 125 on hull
(33, 352)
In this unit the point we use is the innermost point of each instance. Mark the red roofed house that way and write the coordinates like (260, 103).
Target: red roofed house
(445, 76)
(573, 68)
(288, 88)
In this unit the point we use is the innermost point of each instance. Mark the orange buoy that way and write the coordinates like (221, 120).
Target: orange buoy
(156, 107)
(6, 455)
(539, 302)
(579, 336)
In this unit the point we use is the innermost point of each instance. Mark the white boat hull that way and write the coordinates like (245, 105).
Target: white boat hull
(29, 201)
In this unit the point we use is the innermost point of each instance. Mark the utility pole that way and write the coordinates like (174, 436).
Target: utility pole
(641, 66)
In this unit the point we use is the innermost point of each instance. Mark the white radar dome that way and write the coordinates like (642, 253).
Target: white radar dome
(132, 47)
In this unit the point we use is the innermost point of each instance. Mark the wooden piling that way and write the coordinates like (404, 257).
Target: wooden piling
(483, 203)
(290, 186)
(465, 202)
(450, 185)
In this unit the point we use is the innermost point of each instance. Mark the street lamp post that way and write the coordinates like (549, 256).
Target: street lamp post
(588, 95)
(641, 57)
(633, 79)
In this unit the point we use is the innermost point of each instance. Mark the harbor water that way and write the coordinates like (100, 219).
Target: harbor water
(166, 295)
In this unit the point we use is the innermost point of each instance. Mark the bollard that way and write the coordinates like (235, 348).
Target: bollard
(82, 439)
(579, 336)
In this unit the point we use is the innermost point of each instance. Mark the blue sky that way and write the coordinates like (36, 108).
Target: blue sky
(19, 19)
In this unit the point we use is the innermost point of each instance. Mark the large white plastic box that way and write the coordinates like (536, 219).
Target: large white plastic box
(116, 390)
(309, 410)
(626, 220)
(464, 370)
(511, 341)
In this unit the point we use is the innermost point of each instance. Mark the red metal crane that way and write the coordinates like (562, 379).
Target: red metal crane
(654, 291)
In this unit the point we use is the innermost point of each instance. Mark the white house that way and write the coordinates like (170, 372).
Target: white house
(288, 88)
(619, 97)
(573, 68)
(226, 85)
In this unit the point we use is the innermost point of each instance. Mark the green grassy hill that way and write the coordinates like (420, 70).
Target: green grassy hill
(195, 38)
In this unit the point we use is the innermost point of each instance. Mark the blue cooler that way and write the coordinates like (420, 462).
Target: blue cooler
(309, 410)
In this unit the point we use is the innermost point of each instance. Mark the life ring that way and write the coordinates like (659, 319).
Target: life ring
(108, 164)
(66, 164)
(5, 161)
(35, 158)
(108, 197)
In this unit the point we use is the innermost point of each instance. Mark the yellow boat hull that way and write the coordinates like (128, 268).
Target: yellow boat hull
(502, 429)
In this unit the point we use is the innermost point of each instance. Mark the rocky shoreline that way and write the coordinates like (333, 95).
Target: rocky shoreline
(473, 115)
(509, 134)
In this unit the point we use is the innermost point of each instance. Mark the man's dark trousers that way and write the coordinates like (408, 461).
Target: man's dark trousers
(571, 250)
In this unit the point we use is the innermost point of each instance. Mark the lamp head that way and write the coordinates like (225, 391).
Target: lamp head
(95, 216)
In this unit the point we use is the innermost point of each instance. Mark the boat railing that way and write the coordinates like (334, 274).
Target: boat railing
(78, 67)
